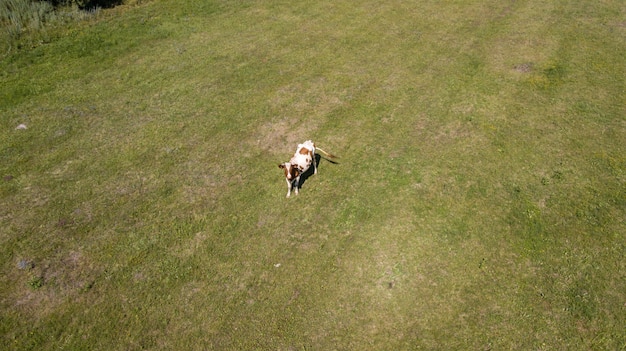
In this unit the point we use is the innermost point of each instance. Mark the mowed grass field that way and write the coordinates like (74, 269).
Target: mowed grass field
(478, 204)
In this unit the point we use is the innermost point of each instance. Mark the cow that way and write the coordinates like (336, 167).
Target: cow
(300, 163)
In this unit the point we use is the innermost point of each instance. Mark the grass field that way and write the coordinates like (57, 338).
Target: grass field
(478, 204)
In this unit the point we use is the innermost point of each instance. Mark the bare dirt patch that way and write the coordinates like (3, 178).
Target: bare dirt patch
(281, 136)
(524, 67)
(299, 109)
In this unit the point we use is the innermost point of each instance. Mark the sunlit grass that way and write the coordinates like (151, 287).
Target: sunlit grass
(478, 202)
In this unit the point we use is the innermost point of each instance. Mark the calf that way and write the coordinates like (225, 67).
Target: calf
(300, 163)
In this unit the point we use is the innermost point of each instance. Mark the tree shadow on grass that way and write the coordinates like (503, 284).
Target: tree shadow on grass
(104, 4)
(87, 4)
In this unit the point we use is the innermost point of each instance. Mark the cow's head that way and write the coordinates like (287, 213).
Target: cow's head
(291, 171)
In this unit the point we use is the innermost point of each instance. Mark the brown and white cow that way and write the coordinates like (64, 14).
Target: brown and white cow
(300, 163)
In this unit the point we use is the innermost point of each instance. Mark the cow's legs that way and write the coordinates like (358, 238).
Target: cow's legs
(289, 185)
(297, 185)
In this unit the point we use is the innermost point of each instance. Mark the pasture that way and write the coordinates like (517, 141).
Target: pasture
(478, 202)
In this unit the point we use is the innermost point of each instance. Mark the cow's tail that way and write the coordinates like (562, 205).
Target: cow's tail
(326, 153)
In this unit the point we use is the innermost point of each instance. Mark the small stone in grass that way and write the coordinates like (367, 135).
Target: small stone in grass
(25, 264)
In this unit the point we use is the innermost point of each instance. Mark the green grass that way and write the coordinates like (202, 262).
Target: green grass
(479, 201)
